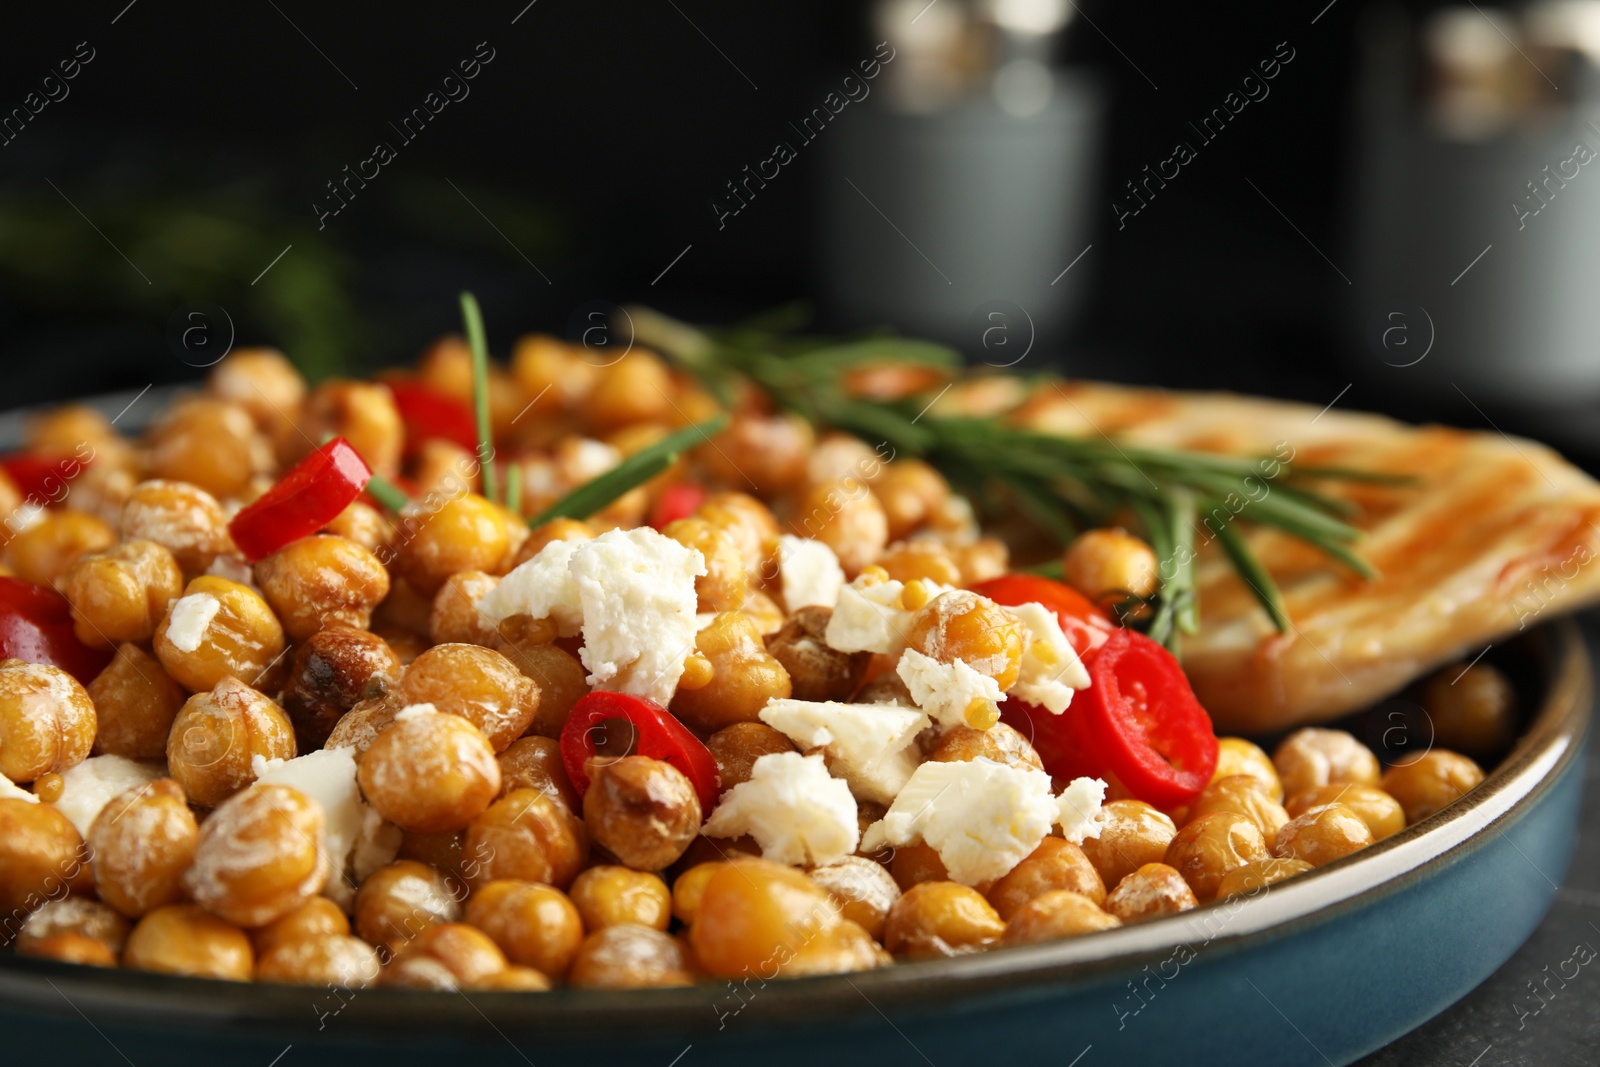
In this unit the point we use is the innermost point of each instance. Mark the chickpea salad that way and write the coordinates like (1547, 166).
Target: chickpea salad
(617, 673)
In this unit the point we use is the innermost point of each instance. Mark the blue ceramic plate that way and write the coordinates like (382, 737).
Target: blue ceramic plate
(1321, 969)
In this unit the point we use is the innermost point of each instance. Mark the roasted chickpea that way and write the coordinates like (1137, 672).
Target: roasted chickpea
(1000, 743)
(338, 961)
(331, 673)
(366, 526)
(446, 955)
(1256, 876)
(561, 679)
(216, 735)
(213, 444)
(476, 683)
(142, 843)
(1207, 849)
(135, 701)
(314, 920)
(444, 468)
(759, 917)
(847, 517)
(769, 451)
(535, 763)
(398, 901)
(864, 891)
(1055, 864)
(910, 490)
(121, 594)
(548, 533)
(736, 749)
(75, 430)
(47, 721)
(935, 919)
(636, 388)
(361, 725)
(524, 835)
(41, 856)
(1431, 782)
(816, 672)
(46, 550)
(747, 520)
(322, 581)
(744, 676)
(224, 629)
(643, 811)
(535, 925)
(455, 618)
(916, 863)
(1235, 755)
(1110, 563)
(69, 948)
(1055, 915)
(184, 519)
(260, 856)
(927, 560)
(55, 929)
(463, 533)
(1472, 709)
(261, 381)
(1150, 892)
(985, 558)
(363, 413)
(1313, 756)
(1322, 835)
(629, 956)
(1244, 794)
(552, 370)
(429, 771)
(186, 939)
(1380, 811)
(609, 895)
(726, 583)
(840, 456)
(1132, 834)
(963, 625)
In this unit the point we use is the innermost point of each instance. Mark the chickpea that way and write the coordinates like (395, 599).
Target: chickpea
(847, 517)
(46, 550)
(445, 955)
(363, 413)
(260, 856)
(841, 456)
(444, 468)
(1256, 876)
(1110, 563)
(332, 672)
(429, 771)
(398, 901)
(816, 672)
(907, 561)
(184, 519)
(515, 978)
(1205, 850)
(636, 388)
(1055, 915)
(561, 679)
(762, 610)
(936, 919)
(476, 683)
(913, 864)
(690, 886)
(864, 891)
(760, 917)
(242, 638)
(1472, 710)
(535, 925)
(736, 749)
(442, 850)
(216, 735)
(455, 618)
(745, 676)
(366, 526)
(186, 939)
(535, 763)
(608, 896)
(404, 609)
(212, 444)
(1055, 864)
(985, 558)
(562, 529)
(769, 451)
(1235, 755)
(963, 625)
(643, 811)
(314, 920)
(73, 918)
(47, 721)
(69, 948)
(1322, 835)
(1000, 743)
(747, 520)
(629, 956)
(320, 581)
(142, 843)
(1244, 794)
(337, 962)
(68, 429)
(41, 856)
(549, 369)
(121, 594)
(463, 533)
(1380, 811)
(1431, 782)
(910, 490)
(525, 835)
(360, 726)
(261, 381)
(726, 583)
(1313, 756)
(1150, 892)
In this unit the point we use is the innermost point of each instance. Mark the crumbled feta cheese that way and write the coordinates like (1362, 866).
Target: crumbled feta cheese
(328, 776)
(235, 569)
(872, 746)
(1050, 669)
(953, 693)
(10, 790)
(792, 806)
(412, 711)
(810, 573)
(869, 617)
(96, 782)
(541, 588)
(1080, 804)
(188, 619)
(982, 817)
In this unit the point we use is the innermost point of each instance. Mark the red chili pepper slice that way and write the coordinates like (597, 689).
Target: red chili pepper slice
(677, 502)
(1085, 625)
(427, 413)
(40, 479)
(658, 735)
(1138, 721)
(303, 501)
(36, 625)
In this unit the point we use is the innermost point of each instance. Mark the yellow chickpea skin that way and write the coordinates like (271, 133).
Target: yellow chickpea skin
(535, 763)
(1150, 892)
(847, 517)
(460, 533)
(1380, 811)
(1257, 876)
(186, 939)
(1431, 782)
(907, 561)
(322, 581)
(46, 550)
(363, 413)
(69, 948)
(736, 749)
(314, 920)
(216, 735)
(455, 618)
(120, 595)
(339, 962)
(357, 728)
(212, 444)
(816, 672)
(76, 917)
(1322, 835)
(429, 771)
(1244, 794)
(41, 856)
(535, 925)
(934, 919)
(630, 956)
(636, 388)
(608, 895)
(1055, 864)
(643, 811)
(726, 583)
(366, 526)
(910, 491)
(769, 451)
(227, 630)
(1314, 756)
(755, 917)
(262, 381)
(1235, 755)
(1058, 914)
(963, 625)
(1110, 563)
(332, 672)
(864, 891)
(524, 835)
(184, 519)
(1000, 742)
(1473, 710)
(47, 721)
(744, 676)
(142, 843)
(260, 855)
(1205, 850)
(400, 900)
(747, 520)
(445, 956)
(561, 679)
(476, 683)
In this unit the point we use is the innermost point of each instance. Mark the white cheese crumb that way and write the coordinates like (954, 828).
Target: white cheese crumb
(541, 588)
(412, 711)
(868, 616)
(10, 790)
(792, 806)
(810, 573)
(189, 618)
(328, 776)
(945, 690)
(1050, 669)
(982, 817)
(872, 746)
(1079, 805)
(96, 782)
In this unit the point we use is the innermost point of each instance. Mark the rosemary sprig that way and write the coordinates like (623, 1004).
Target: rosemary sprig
(473, 318)
(637, 469)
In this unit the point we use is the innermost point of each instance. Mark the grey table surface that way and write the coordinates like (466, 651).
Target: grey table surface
(1525, 1013)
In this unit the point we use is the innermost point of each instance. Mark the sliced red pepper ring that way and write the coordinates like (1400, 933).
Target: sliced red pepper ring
(303, 501)
(42, 479)
(428, 413)
(677, 502)
(657, 735)
(1085, 625)
(36, 625)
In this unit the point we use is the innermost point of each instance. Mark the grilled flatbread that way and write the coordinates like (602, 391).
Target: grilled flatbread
(1496, 534)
